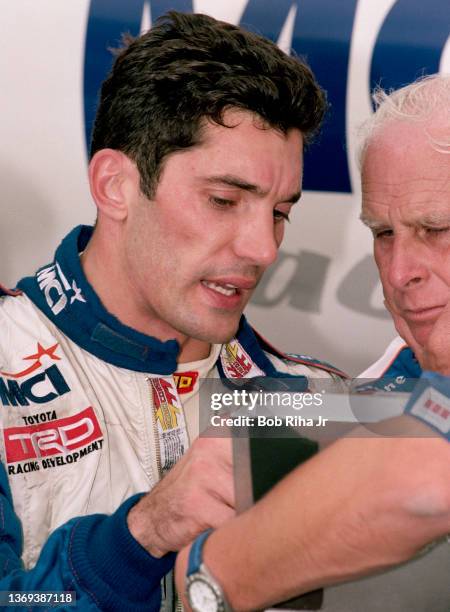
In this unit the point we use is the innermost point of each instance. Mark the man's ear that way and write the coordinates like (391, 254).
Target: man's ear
(114, 182)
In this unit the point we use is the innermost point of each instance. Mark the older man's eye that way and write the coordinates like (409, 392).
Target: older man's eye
(437, 230)
(383, 233)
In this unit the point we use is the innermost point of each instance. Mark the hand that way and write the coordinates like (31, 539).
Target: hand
(196, 494)
(435, 354)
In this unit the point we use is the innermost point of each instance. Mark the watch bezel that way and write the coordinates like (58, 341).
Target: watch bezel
(204, 576)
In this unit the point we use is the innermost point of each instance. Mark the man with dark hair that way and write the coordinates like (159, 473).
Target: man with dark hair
(196, 163)
(186, 71)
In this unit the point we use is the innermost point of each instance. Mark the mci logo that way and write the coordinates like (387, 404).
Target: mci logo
(56, 291)
(407, 44)
(39, 388)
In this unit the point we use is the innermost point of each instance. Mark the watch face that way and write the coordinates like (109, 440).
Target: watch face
(202, 597)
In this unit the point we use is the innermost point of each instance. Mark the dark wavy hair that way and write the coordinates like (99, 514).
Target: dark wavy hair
(191, 67)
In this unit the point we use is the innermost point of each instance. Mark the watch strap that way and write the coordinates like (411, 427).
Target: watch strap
(196, 552)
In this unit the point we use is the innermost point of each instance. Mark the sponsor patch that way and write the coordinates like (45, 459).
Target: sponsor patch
(166, 404)
(58, 437)
(56, 288)
(237, 363)
(185, 381)
(36, 358)
(169, 422)
(434, 408)
(39, 388)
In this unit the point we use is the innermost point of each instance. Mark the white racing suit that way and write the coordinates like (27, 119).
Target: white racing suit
(93, 413)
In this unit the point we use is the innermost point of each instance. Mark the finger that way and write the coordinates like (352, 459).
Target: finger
(216, 513)
(216, 483)
(224, 490)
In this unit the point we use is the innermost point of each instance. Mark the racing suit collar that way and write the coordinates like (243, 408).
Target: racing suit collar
(62, 292)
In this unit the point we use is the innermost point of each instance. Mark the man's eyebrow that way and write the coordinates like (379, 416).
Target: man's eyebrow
(371, 223)
(235, 181)
(435, 217)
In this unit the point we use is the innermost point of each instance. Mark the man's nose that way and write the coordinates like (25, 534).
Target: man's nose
(408, 263)
(256, 241)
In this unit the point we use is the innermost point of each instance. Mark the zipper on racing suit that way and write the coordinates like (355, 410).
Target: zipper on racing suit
(170, 442)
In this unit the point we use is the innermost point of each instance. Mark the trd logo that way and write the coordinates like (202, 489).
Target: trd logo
(56, 438)
(38, 389)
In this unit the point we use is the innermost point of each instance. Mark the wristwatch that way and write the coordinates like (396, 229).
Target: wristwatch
(203, 592)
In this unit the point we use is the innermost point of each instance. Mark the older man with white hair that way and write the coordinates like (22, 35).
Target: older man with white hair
(366, 504)
(406, 204)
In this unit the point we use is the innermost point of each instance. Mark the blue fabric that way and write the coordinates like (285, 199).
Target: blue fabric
(111, 564)
(405, 364)
(401, 375)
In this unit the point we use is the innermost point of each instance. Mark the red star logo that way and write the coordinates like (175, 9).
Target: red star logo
(41, 351)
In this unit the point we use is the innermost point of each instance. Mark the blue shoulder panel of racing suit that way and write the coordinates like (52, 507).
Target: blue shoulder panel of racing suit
(405, 364)
(93, 551)
(401, 375)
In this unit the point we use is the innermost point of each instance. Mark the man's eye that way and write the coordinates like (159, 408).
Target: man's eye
(436, 230)
(279, 215)
(385, 233)
(221, 202)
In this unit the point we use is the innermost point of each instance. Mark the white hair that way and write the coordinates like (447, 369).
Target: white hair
(423, 101)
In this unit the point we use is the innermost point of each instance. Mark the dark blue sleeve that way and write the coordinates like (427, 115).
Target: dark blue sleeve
(96, 556)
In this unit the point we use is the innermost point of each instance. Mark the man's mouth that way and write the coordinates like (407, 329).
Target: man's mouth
(226, 289)
(423, 314)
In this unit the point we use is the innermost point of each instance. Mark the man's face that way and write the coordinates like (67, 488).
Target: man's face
(406, 202)
(195, 252)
